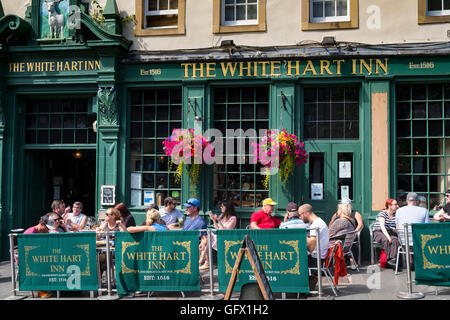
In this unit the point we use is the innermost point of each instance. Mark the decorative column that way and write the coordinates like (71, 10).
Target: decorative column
(283, 115)
(108, 136)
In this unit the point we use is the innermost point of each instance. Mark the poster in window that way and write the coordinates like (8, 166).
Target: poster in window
(108, 195)
(149, 197)
(136, 180)
(345, 192)
(136, 198)
(345, 169)
(316, 191)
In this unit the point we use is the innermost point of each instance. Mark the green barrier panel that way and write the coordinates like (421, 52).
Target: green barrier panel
(57, 261)
(283, 255)
(157, 261)
(431, 243)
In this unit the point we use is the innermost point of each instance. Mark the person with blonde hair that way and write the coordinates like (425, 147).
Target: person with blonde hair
(343, 223)
(152, 223)
(112, 224)
(346, 205)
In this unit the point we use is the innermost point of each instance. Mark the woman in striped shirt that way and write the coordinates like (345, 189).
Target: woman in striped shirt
(384, 231)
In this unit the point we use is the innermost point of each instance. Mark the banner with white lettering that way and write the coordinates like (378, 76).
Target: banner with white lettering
(57, 261)
(282, 252)
(157, 261)
(431, 243)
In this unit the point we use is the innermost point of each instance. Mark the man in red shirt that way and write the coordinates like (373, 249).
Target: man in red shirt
(263, 219)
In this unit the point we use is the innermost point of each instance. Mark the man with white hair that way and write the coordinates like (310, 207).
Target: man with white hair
(411, 213)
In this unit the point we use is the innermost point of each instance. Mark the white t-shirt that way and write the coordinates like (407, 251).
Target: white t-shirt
(323, 237)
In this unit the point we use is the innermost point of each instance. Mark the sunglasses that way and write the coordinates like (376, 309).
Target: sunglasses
(447, 195)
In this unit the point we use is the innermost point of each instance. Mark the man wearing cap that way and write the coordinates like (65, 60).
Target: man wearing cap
(263, 218)
(292, 219)
(411, 213)
(194, 221)
(443, 214)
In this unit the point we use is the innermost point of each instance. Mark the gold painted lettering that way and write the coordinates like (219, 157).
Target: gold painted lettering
(263, 67)
(228, 66)
(195, 69)
(363, 63)
(338, 65)
(310, 67)
(296, 67)
(380, 64)
(325, 65)
(275, 66)
(353, 66)
(211, 69)
(242, 68)
(186, 69)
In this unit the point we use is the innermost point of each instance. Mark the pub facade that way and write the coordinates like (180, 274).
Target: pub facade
(88, 107)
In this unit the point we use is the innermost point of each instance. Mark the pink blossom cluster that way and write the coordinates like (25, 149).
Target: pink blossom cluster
(186, 143)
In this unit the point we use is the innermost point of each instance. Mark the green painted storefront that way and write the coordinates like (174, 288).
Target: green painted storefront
(52, 92)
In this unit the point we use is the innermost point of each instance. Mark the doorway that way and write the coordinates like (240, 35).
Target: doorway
(334, 173)
(59, 174)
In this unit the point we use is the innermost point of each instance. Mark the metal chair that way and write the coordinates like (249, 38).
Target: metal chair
(347, 246)
(402, 247)
(373, 244)
(326, 269)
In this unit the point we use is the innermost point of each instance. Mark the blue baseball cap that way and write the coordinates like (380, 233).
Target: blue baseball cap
(192, 202)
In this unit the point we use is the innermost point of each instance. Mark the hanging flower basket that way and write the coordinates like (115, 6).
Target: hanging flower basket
(289, 153)
(185, 148)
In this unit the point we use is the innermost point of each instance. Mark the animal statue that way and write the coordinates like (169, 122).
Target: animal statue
(55, 19)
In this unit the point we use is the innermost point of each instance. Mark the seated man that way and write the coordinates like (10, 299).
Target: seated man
(75, 220)
(307, 214)
(411, 213)
(54, 223)
(263, 218)
(169, 213)
(292, 219)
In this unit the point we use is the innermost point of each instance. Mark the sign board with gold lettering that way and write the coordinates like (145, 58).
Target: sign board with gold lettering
(431, 244)
(283, 256)
(157, 261)
(57, 261)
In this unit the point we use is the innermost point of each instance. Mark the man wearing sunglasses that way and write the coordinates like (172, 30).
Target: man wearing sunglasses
(54, 223)
(194, 221)
(443, 214)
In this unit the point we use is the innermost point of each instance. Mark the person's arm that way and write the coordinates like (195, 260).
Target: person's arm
(137, 229)
(383, 228)
(229, 224)
(311, 243)
(359, 221)
(254, 225)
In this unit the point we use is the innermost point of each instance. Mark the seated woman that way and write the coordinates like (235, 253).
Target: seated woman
(343, 224)
(152, 223)
(227, 220)
(346, 204)
(112, 224)
(384, 231)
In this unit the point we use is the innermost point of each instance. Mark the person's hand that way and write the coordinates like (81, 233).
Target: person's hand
(390, 239)
(67, 210)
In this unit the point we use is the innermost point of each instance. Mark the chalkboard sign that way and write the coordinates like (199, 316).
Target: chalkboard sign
(108, 195)
(248, 248)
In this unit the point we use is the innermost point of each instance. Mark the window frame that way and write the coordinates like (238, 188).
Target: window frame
(345, 18)
(352, 22)
(251, 26)
(142, 13)
(425, 18)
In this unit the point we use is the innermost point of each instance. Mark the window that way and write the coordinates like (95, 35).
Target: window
(239, 12)
(154, 114)
(329, 14)
(160, 17)
(238, 179)
(438, 7)
(59, 121)
(331, 113)
(329, 11)
(433, 11)
(239, 15)
(423, 142)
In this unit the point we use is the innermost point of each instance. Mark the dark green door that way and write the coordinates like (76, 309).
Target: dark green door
(36, 193)
(333, 172)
